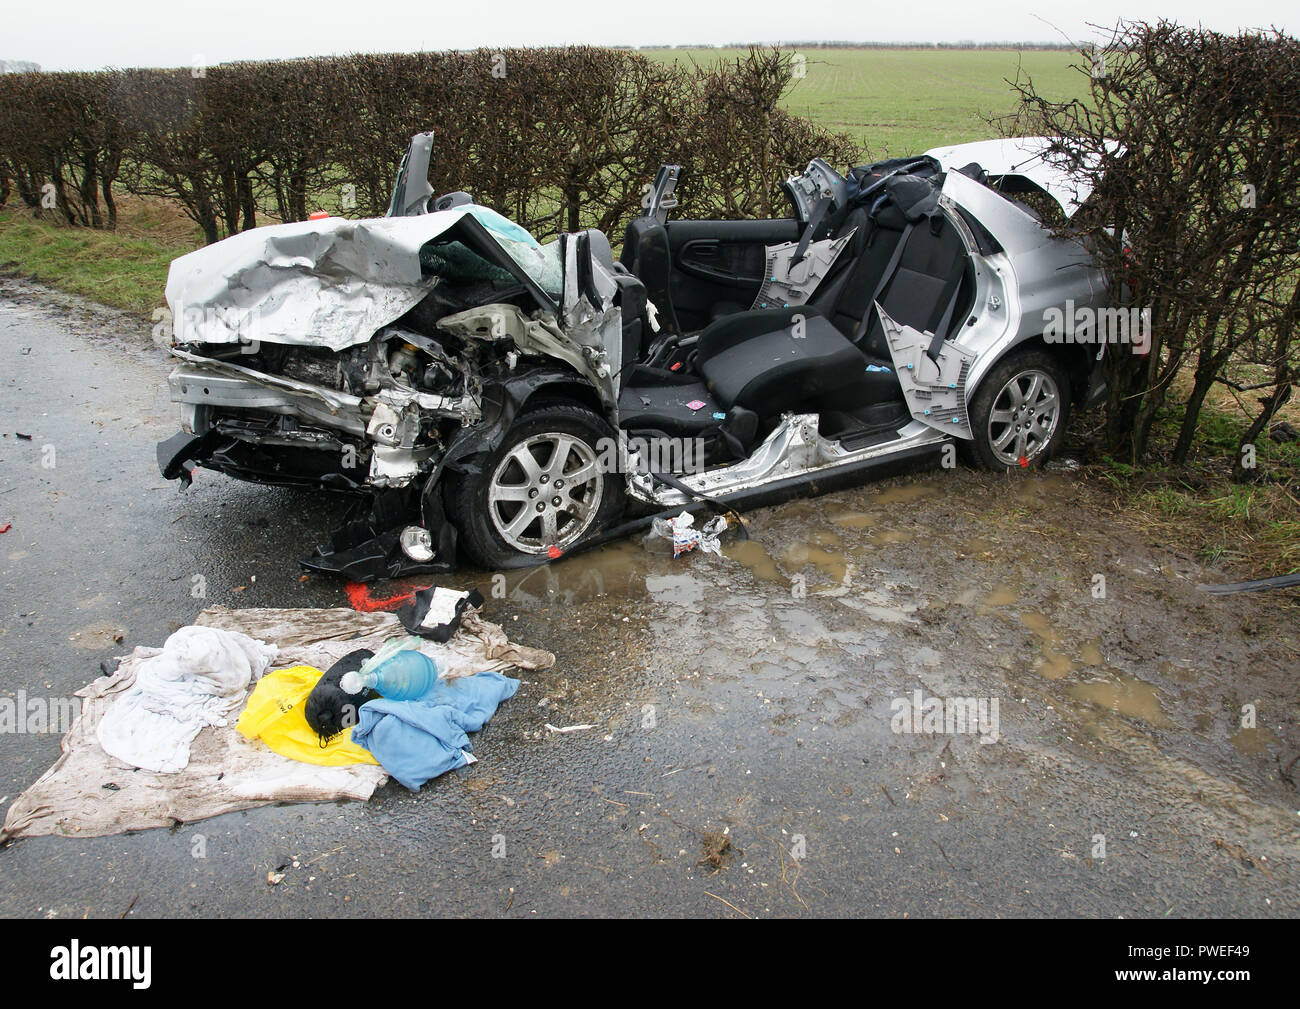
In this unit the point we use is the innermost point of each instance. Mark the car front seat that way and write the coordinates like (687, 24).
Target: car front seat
(774, 360)
(646, 254)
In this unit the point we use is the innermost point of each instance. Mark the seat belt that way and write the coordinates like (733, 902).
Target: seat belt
(890, 268)
(941, 330)
(814, 222)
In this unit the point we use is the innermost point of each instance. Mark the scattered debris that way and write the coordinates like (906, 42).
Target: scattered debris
(718, 851)
(436, 612)
(224, 772)
(681, 530)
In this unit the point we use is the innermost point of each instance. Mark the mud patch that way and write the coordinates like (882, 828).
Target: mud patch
(97, 636)
(1123, 695)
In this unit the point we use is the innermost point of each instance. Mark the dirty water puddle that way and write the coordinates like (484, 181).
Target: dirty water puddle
(1123, 695)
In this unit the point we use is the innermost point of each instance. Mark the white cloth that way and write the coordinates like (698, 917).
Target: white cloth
(199, 676)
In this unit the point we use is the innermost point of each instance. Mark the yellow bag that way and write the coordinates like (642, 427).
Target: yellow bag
(276, 713)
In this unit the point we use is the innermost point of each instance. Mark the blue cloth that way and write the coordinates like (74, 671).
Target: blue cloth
(419, 740)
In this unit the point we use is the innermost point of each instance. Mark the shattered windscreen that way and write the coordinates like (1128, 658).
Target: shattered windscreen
(453, 260)
(541, 262)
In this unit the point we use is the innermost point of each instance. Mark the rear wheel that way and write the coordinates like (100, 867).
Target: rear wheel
(542, 488)
(1019, 412)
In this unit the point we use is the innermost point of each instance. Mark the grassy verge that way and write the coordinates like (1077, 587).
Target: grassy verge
(1251, 528)
(122, 272)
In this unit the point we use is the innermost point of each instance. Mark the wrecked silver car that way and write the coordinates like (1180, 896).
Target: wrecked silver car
(512, 401)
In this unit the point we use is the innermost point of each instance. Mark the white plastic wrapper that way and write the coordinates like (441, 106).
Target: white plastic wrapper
(681, 530)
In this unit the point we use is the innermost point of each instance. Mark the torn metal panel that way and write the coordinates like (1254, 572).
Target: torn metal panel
(541, 335)
(1028, 157)
(329, 283)
(208, 382)
(395, 460)
(588, 315)
(411, 198)
(333, 282)
(795, 450)
(818, 183)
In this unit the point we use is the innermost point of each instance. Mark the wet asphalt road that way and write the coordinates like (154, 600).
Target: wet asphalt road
(723, 698)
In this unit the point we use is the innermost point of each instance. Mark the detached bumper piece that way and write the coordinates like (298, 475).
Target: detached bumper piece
(368, 545)
(178, 454)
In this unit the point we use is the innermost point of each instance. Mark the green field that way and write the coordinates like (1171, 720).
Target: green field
(904, 101)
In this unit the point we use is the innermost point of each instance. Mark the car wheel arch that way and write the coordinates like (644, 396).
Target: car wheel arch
(504, 401)
(1078, 360)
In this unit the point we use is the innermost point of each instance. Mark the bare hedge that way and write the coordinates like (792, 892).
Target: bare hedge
(558, 139)
(1192, 141)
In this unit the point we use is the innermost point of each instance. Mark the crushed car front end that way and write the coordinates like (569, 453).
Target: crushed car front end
(369, 356)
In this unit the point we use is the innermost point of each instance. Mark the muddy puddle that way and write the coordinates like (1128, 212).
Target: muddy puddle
(1123, 695)
(833, 605)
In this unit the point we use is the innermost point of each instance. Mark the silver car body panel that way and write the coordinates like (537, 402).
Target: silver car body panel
(1035, 271)
(330, 283)
(795, 449)
(1028, 157)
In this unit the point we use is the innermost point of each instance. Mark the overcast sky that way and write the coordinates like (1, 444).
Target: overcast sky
(82, 35)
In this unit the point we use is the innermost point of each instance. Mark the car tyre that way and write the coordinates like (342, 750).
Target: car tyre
(1019, 413)
(510, 512)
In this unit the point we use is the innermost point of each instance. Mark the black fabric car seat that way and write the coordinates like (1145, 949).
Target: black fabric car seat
(646, 254)
(914, 269)
(906, 256)
(773, 360)
(653, 398)
(924, 289)
(914, 265)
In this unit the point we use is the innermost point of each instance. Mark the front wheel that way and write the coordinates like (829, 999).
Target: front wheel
(1019, 412)
(544, 488)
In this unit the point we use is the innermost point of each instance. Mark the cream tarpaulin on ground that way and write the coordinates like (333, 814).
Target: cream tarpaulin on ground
(87, 793)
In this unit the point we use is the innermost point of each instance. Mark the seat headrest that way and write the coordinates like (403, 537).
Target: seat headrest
(916, 198)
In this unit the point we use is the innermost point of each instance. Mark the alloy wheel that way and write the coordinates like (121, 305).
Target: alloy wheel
(545, 492)
(1024, 417)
